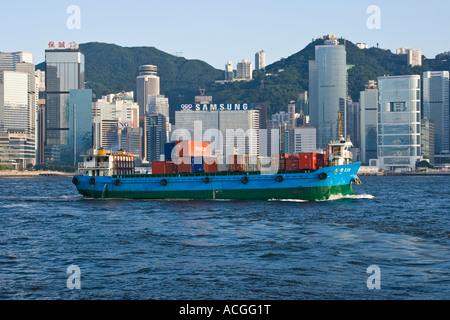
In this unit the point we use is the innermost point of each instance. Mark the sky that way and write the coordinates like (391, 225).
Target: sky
(220, 31)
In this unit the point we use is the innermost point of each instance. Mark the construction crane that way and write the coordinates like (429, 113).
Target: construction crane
(340, 125)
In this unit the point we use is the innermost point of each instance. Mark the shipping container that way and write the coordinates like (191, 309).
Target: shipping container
(308, 161)
(191, 148)
(236, 167)
(170, 167)
(169, 150)
(197, 164)
(266, 163)
(321, 160)
(158, 167)
(251, 163)
(210, 164)
(292, 163)
(237, 163)
(223, 167)
(282, 157)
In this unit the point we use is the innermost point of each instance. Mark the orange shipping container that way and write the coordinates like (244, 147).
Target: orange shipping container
(191, 148)
(307, 161)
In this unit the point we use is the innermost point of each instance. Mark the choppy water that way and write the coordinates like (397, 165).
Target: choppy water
(268, 250)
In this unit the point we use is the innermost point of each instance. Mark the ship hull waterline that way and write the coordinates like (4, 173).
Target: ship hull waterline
(313, 186)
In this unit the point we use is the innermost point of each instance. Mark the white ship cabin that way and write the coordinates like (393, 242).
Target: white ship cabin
(106, 163)
(339, 152)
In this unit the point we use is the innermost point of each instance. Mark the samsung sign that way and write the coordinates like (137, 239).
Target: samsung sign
(218, 107)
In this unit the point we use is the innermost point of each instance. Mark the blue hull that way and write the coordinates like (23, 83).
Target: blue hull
(311, 186)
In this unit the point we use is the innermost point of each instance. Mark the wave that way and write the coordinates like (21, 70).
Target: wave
(336, 197)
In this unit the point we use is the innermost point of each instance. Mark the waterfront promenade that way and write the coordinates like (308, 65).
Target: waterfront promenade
(15, 173)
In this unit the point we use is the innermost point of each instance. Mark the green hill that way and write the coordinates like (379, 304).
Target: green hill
(111, 68)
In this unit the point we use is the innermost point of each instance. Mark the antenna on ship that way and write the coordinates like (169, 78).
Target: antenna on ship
(340, 125)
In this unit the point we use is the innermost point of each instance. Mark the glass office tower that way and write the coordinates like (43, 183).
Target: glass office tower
(399, 122)
(64, 72)
(328, 91)
(368, 122)
(80, 122)
(436, 108)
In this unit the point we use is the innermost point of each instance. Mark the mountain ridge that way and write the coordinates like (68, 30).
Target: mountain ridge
(111, 68)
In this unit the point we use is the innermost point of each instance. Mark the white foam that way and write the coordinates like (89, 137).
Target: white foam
(336, 197)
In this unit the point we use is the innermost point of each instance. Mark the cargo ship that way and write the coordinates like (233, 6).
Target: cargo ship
(194, 174)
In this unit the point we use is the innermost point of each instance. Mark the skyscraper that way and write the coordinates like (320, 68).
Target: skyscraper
(147, 83)
(156, 136)
(14, 111)
(368, 121)
(229, 72)
(64, 72)
(260, 60)
(244, 70)
(80, 124)
(399, 122)
(328, 90)
(436, 108)
(20, 63)
(112, 115)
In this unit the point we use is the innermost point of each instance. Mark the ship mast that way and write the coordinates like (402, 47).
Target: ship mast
(340, 125)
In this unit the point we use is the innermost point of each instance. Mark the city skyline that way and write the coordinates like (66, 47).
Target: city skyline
(196, 30)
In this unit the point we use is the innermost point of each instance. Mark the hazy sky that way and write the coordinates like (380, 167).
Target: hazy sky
(221, 31)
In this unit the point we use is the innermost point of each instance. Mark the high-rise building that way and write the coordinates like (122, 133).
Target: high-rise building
(14, 110)
(303, 102)
(80, 126)
(260, 60)
(427, 139)
(20, 62)
(17, 149)
(244, 70)
(229, 72)
(64, 72)
(147, 84)
(414, 58)
(353, 122)
(238, 125)
(131, 140)
(399, 122)
(158, 104)
(368, 122)
(111, 115)
(436, 108)
(41, 132)
(304, 140)
(328, 90)
(156, 136)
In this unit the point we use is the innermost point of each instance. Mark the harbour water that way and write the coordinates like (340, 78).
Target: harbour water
(203, 250)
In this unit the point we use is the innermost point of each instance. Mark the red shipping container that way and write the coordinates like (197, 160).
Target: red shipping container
(321, 160)
(170, 167)
(191, 148)
(307, 161)
(158, 167)
(236, 167)
(184, 168)
(292, 164)
(210, 165)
